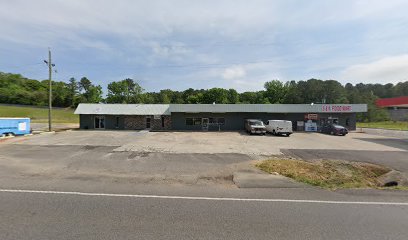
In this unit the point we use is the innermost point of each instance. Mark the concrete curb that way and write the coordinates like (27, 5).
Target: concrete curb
(47, 132)
(264, 180)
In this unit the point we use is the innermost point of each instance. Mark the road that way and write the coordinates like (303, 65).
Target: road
(70, 216)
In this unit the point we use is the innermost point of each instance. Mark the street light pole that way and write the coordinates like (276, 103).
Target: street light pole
(50, 65)
(50, 90)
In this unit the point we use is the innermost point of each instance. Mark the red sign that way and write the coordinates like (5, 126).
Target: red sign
(336, 108)
(311, 116)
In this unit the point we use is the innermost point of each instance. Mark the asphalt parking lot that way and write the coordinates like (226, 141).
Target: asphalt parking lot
(214, 142)
(180, 157)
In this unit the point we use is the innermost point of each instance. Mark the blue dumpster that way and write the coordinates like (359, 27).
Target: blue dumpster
(15, 126)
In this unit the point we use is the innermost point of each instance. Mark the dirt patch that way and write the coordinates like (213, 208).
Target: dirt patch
(331, 174)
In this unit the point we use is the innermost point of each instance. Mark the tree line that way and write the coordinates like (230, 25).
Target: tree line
(16, 89)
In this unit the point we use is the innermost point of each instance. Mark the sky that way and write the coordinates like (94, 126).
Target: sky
(180, 44)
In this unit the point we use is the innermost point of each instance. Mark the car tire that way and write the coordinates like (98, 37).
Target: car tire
(273, 132)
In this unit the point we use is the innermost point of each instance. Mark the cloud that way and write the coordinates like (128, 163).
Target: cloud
(234, 73)
(391, 69)
(182, 43)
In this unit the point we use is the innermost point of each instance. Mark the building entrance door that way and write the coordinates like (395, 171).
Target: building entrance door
(204, 124)
(99, 122)
(148, 122)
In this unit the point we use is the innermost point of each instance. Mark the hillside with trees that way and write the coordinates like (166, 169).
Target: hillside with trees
(16, 89)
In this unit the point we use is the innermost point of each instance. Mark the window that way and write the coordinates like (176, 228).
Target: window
(256, 123)
(117, 122)
(193, 121)
(221, 121)
(189, 121)
(212, 120)
(162, 118)
(197, 121)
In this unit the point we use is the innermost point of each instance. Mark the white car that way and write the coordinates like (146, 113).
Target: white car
(279, 127)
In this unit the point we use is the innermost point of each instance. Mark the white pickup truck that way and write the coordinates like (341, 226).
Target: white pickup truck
(279, 127)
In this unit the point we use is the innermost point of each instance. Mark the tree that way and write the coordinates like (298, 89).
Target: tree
(248, 97)
(147, 98)
(16, 89)
(125, 91)
(73, 91)
(84, 84)
(60, 94)
(233, 96)
(293, 94)
(215, 95)
(275, 91)
(89, 93)
(165, 96)
(334, 92)
(94, 94)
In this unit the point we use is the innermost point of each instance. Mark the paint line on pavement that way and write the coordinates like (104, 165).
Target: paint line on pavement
(202, 198)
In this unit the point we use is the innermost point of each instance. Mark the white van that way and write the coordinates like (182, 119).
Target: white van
(279, 127)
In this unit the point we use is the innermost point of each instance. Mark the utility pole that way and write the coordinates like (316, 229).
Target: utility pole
(50, 65)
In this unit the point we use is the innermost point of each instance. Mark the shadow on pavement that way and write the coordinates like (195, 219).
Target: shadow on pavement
(390, 142)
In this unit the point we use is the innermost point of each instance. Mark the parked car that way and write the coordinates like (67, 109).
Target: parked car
(334, 129)
(255, 126)
(279, 127)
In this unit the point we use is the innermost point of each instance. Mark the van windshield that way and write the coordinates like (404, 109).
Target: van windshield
(256, 123)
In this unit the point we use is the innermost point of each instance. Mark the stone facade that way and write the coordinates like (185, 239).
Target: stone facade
(140, 122)
(157, 123)
(135, 122)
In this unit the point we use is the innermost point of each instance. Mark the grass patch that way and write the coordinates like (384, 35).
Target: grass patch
(393, 125)
(327, 173)
(40, 115)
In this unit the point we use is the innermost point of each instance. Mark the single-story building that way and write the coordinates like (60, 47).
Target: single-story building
(397, 107)
(212, 117)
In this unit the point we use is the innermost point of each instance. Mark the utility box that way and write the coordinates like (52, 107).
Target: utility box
(15, 126)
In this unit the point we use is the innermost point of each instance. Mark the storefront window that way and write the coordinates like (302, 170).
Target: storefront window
(197, 121)
(221, 121)
(189, 121)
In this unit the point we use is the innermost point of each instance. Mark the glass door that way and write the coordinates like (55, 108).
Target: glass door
(204, 124)
(99, 122)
